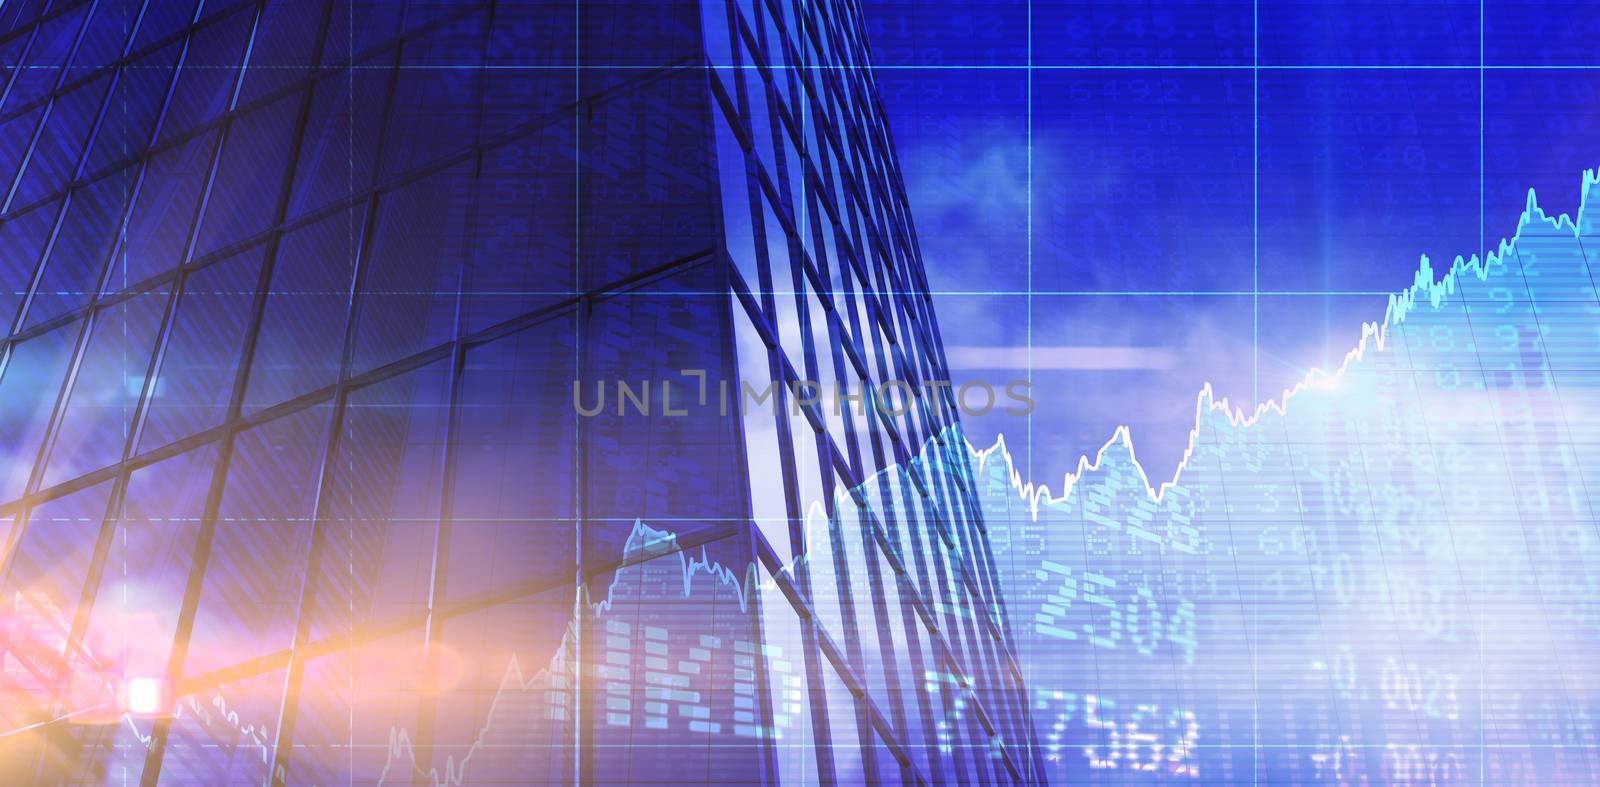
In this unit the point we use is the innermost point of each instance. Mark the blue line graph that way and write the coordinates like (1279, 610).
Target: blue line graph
(1386, 574)
(294, 486)
(532, 706)
(1139, 608)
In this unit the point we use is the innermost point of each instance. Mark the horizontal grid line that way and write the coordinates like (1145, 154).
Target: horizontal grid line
(1474, 68)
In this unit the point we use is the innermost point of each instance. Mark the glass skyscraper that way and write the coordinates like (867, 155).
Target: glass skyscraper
(374, 404)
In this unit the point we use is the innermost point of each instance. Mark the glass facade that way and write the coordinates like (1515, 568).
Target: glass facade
(364, 404)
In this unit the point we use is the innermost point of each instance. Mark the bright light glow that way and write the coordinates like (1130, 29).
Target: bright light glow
(144, 695)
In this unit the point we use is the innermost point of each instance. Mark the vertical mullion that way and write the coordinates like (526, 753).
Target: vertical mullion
(755, 539)
(422, 740)
(103, 540)
(289, 707)
(427, 712)
(202, 551)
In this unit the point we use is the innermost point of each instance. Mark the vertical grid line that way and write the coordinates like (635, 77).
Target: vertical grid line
(339, 428)
(1483, 259)
(1255, 330)
(1028, 251)
(1255, 203)
(582, 762)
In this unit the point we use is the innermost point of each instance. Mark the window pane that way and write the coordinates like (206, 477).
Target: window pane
(353, 702)
(41, 590)
(789, 691)
(667, 634)
(106, 391)
(82, 247)
(845, 744)
(22, 240)
(380, 513)
(263, 537)
(507, 532)
(510, 718)
(27, 395)
(434, 111)
(45, 580)
(164, 213)
(60, 145)
(739, 236)
(125, 130)
(244, 200)
(522, 253)
(136, 608)
(763, 453)
(341, 143)
(302, 332)
(135, 615)
(202, 93)
(197, 371)
(412, 283)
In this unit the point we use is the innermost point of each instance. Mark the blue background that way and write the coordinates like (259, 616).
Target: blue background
(1234, 187)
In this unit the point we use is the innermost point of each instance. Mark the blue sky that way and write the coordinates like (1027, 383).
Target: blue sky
(1154, 144)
